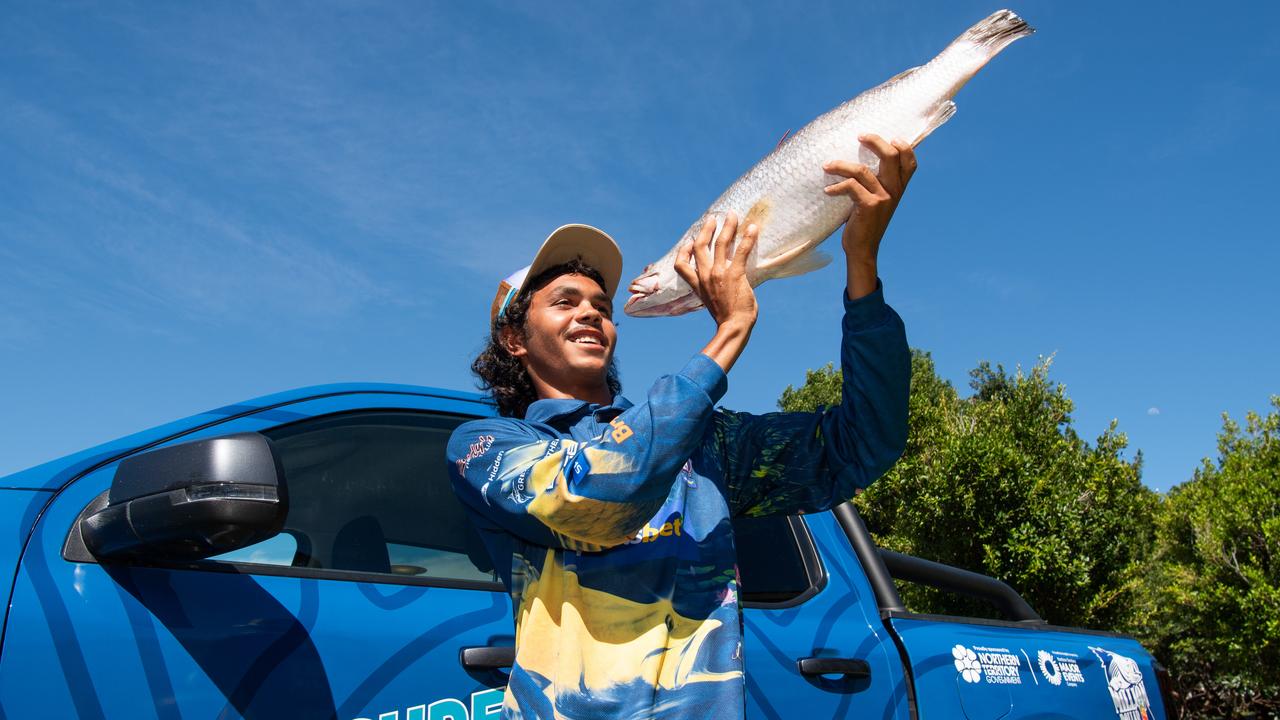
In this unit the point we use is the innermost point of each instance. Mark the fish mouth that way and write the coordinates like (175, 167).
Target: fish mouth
(646, 283)
(637, 307)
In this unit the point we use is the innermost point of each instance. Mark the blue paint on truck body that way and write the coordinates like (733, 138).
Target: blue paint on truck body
(365, 616)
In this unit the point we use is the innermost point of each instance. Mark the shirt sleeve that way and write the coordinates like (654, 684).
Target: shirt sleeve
(556, 492)
(788, 463)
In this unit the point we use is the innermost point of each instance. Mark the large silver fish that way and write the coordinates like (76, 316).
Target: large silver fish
(783, 193)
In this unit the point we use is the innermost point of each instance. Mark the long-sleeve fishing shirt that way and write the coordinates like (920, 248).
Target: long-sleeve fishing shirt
(610, 524)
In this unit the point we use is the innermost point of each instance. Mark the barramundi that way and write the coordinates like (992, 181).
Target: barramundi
(783, 193)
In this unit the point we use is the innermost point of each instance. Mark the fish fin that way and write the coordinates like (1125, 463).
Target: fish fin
(793, 263)
(942, 112)
(784, 137)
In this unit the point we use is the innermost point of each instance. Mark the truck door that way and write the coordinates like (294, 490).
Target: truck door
(813, 642)
(359, 609)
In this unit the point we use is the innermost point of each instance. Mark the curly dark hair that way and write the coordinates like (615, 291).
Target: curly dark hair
(504, 377)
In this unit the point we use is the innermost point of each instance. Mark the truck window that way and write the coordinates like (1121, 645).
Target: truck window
(369, 494)
(777, 563)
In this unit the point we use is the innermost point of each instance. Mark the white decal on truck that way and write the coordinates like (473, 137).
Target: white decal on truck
(1124, 681)
(967, 664)
(485, 705)
(997, 665)
(1064, 666)
(1049, 668)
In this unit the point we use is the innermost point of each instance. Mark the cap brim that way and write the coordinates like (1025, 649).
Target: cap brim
(592, 245)
(568, 242)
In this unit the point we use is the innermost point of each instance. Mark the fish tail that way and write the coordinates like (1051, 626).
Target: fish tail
(964, 57)
(997, 31)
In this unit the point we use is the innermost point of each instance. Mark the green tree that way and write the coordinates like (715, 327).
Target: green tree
(1000, 483)
(1212, 600)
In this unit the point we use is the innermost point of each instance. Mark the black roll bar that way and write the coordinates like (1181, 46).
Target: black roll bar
(946, 577)
(884, 566)
(865, 548)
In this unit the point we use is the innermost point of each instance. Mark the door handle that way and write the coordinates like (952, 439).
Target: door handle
(848, 667)
(487, 658)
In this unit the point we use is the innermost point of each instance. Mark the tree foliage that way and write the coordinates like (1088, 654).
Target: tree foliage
(1000, 483)
(1212, 595)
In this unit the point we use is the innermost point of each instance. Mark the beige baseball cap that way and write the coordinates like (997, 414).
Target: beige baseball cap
(567, 242)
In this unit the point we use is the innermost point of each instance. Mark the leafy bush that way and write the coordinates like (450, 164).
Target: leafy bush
(1000, 483)
(1212, 595)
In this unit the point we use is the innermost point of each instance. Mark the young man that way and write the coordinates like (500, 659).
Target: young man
(608, 521)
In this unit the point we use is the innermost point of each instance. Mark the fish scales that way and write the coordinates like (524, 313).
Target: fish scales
(783, 193)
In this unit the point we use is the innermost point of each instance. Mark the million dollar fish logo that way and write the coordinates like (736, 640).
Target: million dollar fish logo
(1124, 681)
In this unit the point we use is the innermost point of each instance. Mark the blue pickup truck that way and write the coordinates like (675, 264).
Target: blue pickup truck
(302, 556)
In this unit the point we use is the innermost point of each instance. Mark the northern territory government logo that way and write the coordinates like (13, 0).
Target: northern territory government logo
(997, 666)
(1124, 681)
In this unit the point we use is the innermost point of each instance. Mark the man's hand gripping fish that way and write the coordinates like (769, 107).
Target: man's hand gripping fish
(783, 194)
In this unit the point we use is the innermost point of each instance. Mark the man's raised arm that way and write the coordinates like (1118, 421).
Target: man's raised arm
(806, 462)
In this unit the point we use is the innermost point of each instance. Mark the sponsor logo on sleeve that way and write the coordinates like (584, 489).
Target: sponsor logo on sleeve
(514, 470)
(553, 446)
(576, 467)
(493, 475)
(673, 527)
(996, 666)
(475, 450)
(1124, 682)
(517, 486)
(621, 431)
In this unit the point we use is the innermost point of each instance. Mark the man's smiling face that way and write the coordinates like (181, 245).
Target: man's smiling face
(569, 334)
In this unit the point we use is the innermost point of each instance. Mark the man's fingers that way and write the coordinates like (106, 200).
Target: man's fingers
(853, 188)
(890, 168)
(687, 274)
(906, 160)
(685, 254)
(857, 172)
(684, 267)
(701, 250)
(725, 238)
(746, 245)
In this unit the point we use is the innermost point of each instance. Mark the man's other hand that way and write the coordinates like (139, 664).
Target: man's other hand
(875, 197)
(719, 277)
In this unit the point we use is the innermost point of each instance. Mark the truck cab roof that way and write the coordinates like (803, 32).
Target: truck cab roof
(54, 474)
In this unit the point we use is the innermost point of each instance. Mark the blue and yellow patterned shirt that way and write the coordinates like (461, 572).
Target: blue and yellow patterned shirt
(610, 525)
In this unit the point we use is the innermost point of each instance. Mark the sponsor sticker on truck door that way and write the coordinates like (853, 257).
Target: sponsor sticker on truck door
(1124, 681)
(996, 666)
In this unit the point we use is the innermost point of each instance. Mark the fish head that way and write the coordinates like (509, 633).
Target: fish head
(659, 291)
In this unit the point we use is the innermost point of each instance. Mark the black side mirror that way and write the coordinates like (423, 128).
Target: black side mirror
(190, 501)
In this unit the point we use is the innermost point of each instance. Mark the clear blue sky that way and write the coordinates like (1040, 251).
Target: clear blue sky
(205, 202)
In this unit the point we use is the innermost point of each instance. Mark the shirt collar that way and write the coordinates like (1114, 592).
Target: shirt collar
(550, 409)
